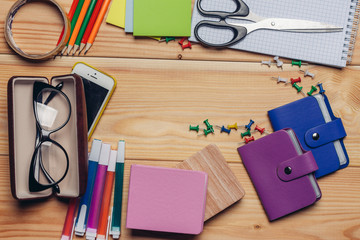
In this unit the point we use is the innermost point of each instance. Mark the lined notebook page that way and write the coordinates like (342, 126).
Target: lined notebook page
(323, 48)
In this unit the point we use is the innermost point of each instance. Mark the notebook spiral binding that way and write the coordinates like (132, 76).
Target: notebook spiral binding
(351, 32)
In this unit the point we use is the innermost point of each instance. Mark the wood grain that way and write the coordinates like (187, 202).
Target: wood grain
(223, 188)
(112, 41)
(157, 97)
(335, 216)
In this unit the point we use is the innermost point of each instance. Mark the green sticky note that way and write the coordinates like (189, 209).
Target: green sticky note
(170, 18)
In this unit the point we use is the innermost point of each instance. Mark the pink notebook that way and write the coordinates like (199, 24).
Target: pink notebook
(166, 199)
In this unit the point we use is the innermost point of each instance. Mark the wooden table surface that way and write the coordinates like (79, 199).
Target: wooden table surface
(157, 97)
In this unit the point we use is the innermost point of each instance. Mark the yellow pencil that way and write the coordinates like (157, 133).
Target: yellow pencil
(78, 25)
(97, 24)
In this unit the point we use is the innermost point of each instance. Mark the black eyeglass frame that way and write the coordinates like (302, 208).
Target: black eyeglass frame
(44, 136)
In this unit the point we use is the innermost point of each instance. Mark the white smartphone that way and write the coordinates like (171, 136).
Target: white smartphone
(98, 87)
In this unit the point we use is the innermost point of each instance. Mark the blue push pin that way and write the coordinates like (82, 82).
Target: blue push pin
(249, 125)
(320, 85)
(224, 129)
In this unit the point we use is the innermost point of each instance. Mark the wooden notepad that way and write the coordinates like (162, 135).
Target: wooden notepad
(223, 187)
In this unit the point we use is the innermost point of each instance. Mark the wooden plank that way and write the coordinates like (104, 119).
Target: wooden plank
(156, 100)
(112, 41)
(335, 216)
(223, 187)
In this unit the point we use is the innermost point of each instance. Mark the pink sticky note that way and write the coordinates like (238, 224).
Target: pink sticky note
(166, 199)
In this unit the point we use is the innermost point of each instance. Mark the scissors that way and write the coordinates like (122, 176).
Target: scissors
(240, 31)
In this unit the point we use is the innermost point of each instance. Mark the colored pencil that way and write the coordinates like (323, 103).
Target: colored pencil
(78, 25)
(69, 219)
(73, 21)
(97, 24)
(84, 25)
(90, 25)
(70, 16)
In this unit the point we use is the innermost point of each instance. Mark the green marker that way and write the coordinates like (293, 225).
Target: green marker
(84, 25)
(115, 227)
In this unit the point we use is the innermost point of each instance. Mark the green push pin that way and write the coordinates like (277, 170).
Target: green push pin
(207, 131)
(297, 63)
(298, 88)
(313, 89)
(247, 133)
(194, 128)
(208, 125)
(167, 39)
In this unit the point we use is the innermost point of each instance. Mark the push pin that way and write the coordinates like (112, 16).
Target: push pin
(312, 90)
(224, 129)
(295, 80)
(244, 134)
(279, 79)
(194, 128)
(297, 63)
(298, 89)
(321, 89)
(188, 45)
(234, 126)
(266, 63)
(182, 41)
(307, 73)
(207, 131)
(261, 130)
(247, 140)
(278, 62)
(208, 125)
(167, 39)
(248, 127)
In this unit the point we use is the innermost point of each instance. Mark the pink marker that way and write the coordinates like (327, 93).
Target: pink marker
(95, 205)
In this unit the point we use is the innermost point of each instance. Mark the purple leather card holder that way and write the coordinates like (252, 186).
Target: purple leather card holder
(282, 177)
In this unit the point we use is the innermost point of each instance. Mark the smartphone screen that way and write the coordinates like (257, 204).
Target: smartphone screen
(95, 96)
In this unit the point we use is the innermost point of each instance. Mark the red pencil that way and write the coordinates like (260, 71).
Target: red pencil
(70, 16)
(69, 219)
(90, 24)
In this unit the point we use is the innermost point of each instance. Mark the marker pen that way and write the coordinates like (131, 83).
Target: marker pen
(85, 201)
(119, 179)
(98, 192)
(105, 204)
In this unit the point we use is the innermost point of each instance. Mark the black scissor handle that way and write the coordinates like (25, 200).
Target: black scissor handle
(241, 10)
(238, 31)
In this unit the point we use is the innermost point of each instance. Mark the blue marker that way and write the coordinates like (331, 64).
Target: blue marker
(83, 212)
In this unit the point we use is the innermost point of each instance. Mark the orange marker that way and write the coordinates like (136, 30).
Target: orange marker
(78, 25)
(105, 203)
(97, 24)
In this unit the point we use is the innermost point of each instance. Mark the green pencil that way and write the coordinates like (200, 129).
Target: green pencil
(84, 25)
(73, 22)
(119, 179)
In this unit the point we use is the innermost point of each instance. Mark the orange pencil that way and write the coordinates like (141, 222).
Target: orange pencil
(97, 24)
(78, 25)
(105, 203)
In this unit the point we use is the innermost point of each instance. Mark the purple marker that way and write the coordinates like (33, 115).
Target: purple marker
(95, 205)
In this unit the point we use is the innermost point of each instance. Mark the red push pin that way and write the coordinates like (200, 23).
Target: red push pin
(182, 41)
(188, 45)
(249, 139)
(295, 80)
(261, 130)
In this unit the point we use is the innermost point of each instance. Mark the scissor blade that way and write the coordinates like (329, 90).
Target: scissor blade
(294, 25)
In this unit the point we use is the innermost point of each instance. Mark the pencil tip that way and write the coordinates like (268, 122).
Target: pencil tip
(69, 49)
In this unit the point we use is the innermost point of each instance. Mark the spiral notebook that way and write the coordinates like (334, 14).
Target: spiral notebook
(333, 49)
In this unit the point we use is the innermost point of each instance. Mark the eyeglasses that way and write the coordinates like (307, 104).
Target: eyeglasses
(50, 161)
